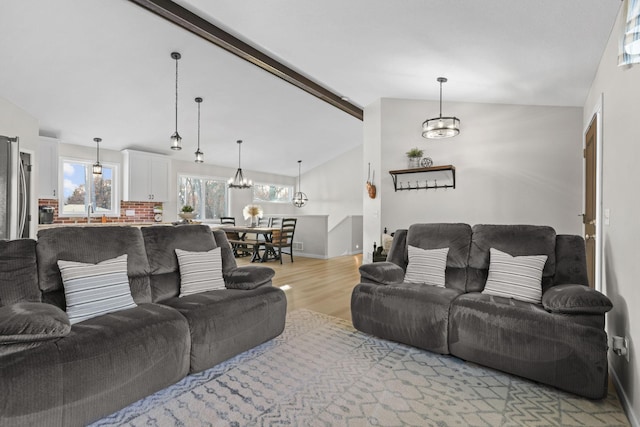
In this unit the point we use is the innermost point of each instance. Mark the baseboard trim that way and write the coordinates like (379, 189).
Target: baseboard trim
(624, 400)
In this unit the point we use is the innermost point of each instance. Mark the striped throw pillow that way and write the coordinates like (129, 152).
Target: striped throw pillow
(426, 266)
(515, 277)
(200, 271)
(95, 289)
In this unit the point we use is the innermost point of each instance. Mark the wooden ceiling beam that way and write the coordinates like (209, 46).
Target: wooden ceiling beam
(188, 20)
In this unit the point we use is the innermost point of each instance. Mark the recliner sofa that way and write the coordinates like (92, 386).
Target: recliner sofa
(560, 341)
(53, 375)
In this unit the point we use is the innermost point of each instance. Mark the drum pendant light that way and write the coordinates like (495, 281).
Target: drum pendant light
(299, 199)
(176, 140)
(441, 127)
(199, 154)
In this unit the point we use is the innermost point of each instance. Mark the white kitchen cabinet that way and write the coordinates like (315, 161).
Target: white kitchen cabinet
(146, 176)
(46, 163)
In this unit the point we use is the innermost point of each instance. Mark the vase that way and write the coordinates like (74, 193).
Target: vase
(187, 216)
(414, 162)
(254, 221)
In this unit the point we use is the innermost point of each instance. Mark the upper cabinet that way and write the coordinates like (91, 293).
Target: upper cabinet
(47, 166)
(146, 176)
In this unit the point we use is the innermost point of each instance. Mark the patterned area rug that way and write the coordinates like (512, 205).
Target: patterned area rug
(321, 372)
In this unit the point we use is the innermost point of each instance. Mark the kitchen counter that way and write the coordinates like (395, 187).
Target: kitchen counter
(102, 224)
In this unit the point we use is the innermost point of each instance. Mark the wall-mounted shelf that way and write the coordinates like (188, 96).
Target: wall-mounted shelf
(428, 184)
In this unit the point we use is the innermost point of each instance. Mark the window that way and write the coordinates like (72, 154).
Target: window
(81, 189)
(208, 196)
(272, 193)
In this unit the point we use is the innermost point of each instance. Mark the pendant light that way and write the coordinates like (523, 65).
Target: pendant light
(176, 140)
(239, 181)
(299, 199)
(199, 154)
(97, 167)
(441, 127)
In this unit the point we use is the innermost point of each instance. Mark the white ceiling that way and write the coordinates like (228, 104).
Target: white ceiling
(88, 68)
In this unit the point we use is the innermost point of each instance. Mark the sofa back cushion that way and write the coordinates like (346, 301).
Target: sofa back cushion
(456, 237)
(516, 240)
(91, 245)
(161, 243)
(18, 272)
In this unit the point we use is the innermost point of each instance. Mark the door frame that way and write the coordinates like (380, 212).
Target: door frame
(597, 113)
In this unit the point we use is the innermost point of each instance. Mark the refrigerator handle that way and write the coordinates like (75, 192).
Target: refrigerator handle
(23, 201)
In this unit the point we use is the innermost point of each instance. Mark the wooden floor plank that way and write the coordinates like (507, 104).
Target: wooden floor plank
(322, 285)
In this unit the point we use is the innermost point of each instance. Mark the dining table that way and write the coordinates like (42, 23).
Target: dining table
(243, 231)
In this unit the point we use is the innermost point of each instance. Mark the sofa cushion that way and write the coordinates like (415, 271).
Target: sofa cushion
(526, 340)
(200, 271)
(224, 323)
(161, 243)
(27, 324)
(516, 240)
(92, 290)
(91, 245)
(456, 237)
(113, 360)
(426, 266)
(18, 272)
(515, 277)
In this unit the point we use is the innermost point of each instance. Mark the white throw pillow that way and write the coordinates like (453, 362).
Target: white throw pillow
(515, 277)
(426, 266)
(95, 289)
(200, 271)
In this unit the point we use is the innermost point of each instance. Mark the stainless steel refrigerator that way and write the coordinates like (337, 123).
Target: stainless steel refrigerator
(15, 171)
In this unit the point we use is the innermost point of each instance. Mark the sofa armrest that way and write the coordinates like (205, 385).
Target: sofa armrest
(248, 277)
(384, 273)
(26, 325)
(575, 299)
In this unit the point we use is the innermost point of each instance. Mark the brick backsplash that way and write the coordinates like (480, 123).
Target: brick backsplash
(144, 212)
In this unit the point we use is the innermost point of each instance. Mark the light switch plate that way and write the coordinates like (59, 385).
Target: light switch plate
(130, 212)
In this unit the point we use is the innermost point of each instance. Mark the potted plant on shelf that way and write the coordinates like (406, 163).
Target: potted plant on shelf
(414, 155)
(187, 213)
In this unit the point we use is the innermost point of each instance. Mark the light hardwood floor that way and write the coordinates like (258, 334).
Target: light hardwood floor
(322, 285)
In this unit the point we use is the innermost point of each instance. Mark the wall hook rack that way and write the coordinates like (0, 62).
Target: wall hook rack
(398, 186)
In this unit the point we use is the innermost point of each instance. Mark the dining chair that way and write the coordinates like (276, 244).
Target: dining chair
(233, 236)
(275, 221)
(281, 239)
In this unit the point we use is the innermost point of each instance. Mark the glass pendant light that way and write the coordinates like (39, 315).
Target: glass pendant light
(199, 154)
(441, 127)
(299, 199)
(97, 167)
(238, 180)
(176, 140)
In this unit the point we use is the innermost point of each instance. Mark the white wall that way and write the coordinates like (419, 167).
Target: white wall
(14, 121)
(372, 155)
(335, 187)
(514, 165)
(620, 91)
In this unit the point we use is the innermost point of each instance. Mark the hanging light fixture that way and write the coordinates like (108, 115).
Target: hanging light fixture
(176, 140)
(97, 167)
(299, 199)
(239, 181)
(441, 127)
(199, 154)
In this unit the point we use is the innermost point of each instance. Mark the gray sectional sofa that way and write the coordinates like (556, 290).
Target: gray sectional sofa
(559, 341)
(54, 374)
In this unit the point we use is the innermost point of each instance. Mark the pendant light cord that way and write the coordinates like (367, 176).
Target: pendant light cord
(199, 125)
(299, 180)
(440, 99)
(176, 95)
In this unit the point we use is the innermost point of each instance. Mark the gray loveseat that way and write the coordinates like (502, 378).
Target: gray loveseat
(56, 375)
(560, 341)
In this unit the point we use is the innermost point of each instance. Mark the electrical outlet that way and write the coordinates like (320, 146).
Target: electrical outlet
(130, 212)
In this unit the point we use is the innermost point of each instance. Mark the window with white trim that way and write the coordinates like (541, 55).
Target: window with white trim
(273, 193)
(207, 195)
(82, 190)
